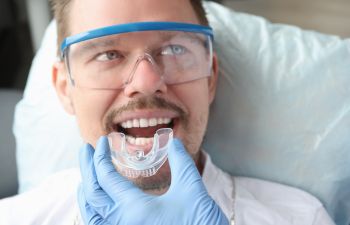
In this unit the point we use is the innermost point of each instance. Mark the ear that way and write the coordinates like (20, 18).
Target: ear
(212, 81)
(62, 85)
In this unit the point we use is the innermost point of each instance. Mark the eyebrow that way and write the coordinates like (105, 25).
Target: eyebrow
(93, 44)
(114, 40)
(190, 35)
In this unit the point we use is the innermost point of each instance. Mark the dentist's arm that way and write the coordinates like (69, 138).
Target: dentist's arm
(106, 197)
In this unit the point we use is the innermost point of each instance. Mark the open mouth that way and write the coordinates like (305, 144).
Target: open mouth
(140, 131)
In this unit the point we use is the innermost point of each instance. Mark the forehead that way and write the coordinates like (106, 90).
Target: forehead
(91, 14)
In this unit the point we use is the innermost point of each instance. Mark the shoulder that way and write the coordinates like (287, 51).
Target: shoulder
(51, 202)
(275, 203)
(267, 191)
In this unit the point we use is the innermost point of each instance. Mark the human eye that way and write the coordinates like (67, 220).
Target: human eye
(174, 50)
(108, 56)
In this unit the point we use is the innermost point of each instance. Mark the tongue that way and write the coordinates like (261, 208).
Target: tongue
(146, 132)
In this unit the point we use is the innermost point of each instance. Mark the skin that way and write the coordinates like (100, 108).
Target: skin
(93, 108)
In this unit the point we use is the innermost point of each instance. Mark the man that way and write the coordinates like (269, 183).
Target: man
(134, 67)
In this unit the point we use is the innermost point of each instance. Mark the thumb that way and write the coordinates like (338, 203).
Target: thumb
(183, 169)
(112, 182)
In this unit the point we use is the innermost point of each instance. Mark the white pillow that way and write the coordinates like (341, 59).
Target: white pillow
(281, 111)
(47, 137)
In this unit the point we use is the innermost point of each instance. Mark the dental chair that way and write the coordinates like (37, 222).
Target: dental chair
(8, 166)
(282, 111)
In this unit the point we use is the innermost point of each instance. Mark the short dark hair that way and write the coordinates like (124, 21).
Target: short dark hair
(61, 9)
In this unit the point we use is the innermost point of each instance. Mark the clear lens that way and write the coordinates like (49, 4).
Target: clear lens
(109, 62)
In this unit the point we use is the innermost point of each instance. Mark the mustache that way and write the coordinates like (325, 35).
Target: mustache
(152, 102)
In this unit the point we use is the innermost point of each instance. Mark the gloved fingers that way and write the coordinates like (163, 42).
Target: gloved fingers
(94, 195)
(115, 185)
(183, 169)
(87, 169)
(90, 216)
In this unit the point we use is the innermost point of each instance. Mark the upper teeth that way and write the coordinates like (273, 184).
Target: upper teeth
(145, 122)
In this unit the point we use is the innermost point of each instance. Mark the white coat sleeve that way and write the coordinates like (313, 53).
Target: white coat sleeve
(53, 202)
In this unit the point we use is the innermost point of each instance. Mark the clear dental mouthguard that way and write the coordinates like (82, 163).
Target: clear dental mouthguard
(144, 160)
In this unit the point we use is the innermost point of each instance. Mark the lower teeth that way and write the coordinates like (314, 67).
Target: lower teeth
(138, 140)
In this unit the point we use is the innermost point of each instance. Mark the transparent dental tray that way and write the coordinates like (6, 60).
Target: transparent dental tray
(139, 160)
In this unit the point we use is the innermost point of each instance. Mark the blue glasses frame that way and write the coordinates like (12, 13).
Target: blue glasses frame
(132, 27)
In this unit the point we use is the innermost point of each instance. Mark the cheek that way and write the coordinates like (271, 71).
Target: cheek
(195, 98)
(90, 108)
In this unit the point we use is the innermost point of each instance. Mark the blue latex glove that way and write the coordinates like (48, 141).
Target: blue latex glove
(106, 197)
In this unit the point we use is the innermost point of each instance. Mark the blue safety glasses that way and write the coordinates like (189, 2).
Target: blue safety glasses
(108, 58)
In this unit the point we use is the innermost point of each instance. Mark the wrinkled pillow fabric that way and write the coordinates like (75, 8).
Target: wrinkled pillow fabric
(282, 110)
(47, 137)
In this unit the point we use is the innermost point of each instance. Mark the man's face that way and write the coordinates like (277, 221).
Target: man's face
(146, 99)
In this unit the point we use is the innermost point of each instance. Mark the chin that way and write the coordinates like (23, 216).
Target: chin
(157, 184)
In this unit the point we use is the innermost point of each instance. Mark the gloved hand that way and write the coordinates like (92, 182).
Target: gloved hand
(106, 197)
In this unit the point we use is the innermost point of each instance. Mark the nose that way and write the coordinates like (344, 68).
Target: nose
(145, 79)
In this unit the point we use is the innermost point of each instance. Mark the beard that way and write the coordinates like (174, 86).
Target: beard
(190, 133)
(156, 184)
